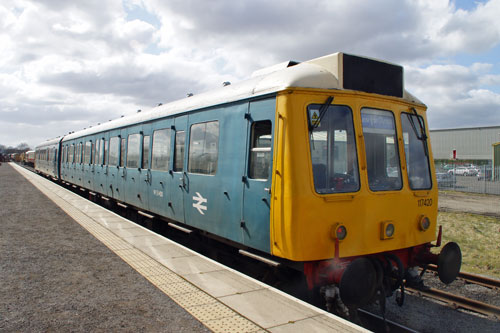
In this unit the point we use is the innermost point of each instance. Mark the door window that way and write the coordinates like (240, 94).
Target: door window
(145, 151)
(180, 138)
(260, 150)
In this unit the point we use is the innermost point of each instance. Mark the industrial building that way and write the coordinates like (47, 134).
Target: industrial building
(475, 144)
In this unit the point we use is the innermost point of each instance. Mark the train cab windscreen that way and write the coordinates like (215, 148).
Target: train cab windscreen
(333, 149)
(381, 145)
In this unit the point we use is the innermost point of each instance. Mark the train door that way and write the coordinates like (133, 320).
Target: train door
(203, 195)
(99, 168)
(64, 172)
(179, 182)
(133, 166)
(257, 179)
(145, 167)
(78, 163)
(87, 177)
(95, 180)
(161, 174)
(114, 170)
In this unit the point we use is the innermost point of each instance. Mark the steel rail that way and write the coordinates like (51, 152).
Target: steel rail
(376, 323)
(459, 301)
(473, 278)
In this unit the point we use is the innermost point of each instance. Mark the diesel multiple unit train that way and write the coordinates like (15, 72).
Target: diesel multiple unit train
(323, 165)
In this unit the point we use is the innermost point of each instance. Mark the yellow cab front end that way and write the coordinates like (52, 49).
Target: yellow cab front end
(350, 169)
(354, 192)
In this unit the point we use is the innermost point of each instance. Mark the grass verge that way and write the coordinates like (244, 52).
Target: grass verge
(479, 240)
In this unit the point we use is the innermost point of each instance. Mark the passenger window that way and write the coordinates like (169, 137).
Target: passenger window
(145, 151)
(133, 150)
(260, 150)
(382, 154)
(88, 149)
(333, 149)
(113, 150)
(203, 148)
(123, 150)
(161, 150)
(416, 151)
(180, 139)
(93, 154)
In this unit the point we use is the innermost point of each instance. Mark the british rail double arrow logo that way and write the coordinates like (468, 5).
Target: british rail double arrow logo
(199, 204)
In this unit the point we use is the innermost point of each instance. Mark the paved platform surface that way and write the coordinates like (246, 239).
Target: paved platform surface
(113, 275)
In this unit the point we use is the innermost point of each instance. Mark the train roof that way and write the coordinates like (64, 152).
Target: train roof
(49, 143)
(328, 72)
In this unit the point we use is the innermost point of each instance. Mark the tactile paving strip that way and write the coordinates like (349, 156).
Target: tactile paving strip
(208, 310)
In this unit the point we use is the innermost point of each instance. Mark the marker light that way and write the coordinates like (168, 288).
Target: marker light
(387, 230)
(424, 223)
(339, 231)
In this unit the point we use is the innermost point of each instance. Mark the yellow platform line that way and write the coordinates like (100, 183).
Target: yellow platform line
(215, 315)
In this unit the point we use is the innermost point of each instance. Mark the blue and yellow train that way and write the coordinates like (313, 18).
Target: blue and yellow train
(323, 165)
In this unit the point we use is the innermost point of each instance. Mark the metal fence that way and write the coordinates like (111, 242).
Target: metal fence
(481, 179)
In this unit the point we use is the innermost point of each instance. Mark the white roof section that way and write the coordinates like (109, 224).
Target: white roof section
(320, 73)
(48, 143)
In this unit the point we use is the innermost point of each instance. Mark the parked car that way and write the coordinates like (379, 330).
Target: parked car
(484, 173)
(460, 171)
(445, 179)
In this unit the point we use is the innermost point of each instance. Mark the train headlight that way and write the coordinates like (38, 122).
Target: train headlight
(339, 231)
(424, 223)
(387, 230)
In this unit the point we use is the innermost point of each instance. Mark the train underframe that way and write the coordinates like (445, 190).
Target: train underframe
(348, 283)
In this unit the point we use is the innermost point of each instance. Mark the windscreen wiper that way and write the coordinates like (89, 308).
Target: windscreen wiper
(422, 136)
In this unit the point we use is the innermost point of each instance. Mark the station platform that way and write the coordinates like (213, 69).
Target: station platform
(69, 264)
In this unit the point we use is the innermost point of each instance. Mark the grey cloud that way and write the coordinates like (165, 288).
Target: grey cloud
(127, 81)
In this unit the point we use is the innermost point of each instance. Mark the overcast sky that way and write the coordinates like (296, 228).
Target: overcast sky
(66, 65)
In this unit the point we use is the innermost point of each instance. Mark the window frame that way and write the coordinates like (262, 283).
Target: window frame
(159, 151)
(352, 156)
(396, 148)
(129, 159)
(194, 159)
(426, 152)
(254, 149)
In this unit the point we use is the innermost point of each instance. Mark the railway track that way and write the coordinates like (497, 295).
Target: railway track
(473, 278)
(376, 323)
(459, 302)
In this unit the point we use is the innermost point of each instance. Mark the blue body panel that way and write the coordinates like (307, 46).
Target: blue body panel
(227, 203)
